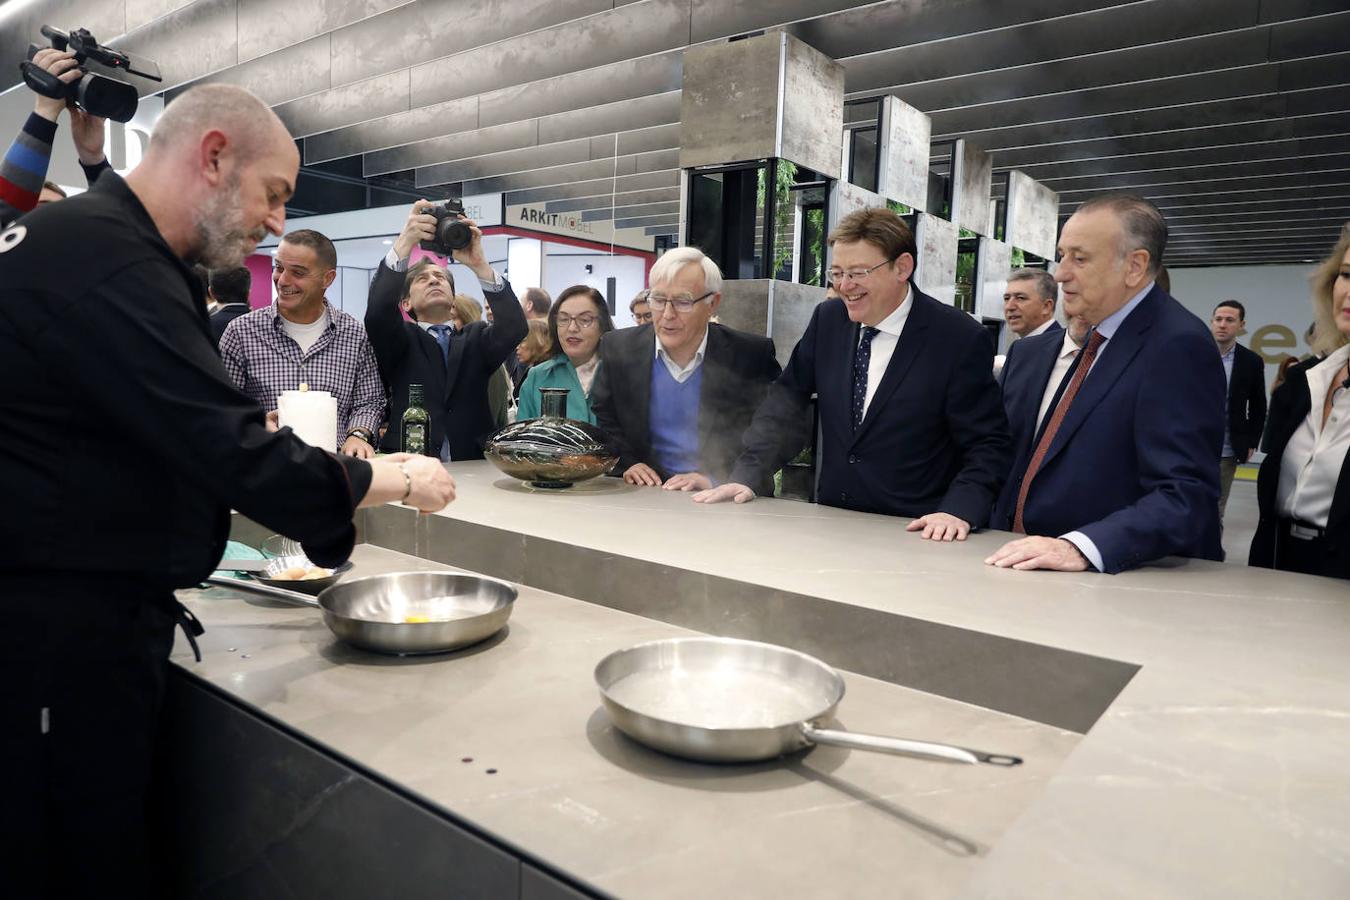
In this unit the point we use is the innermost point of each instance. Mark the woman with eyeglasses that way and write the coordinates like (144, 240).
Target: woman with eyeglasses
(1303, 490)
(575, 322)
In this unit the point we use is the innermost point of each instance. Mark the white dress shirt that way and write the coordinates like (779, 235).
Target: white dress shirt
(1067, 352)
(883, 345)
(683, 373)
(1107, 329)
(1039, 329)
(1315, 454)
(1227, 359)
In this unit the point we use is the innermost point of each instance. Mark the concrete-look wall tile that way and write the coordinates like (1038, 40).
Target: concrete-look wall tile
(1033, 215)
(936, 273)
(904, 154)
(972, 181)
(793, 305)
(995, 264)
(745, 305)
(813, 109)
(265, 28)
(187, 43)
(346, 105)
(729, 102)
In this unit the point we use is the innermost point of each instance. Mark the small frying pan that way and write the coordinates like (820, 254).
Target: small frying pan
(726, 700)
(405, 613)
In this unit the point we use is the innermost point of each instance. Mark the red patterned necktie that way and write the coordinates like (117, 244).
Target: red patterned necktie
(1056, 419)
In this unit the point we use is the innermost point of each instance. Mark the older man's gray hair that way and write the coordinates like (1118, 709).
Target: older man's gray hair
(673, 260)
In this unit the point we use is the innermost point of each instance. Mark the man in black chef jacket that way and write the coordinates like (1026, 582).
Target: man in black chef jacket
(128, 446)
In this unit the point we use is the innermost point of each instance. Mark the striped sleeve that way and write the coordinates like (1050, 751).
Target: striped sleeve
(24, 167)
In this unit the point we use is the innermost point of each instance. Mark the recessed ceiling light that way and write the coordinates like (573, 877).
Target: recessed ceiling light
(387, 243)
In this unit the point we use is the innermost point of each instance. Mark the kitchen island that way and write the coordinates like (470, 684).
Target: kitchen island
(1182, 725)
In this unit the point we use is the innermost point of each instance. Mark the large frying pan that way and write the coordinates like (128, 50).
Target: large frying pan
(726, 700)
(405, 613)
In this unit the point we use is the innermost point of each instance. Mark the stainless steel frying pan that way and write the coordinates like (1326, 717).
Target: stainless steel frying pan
(405, 613)
(727, 700)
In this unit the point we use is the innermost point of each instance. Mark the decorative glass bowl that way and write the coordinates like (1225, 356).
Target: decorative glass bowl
(551, 451)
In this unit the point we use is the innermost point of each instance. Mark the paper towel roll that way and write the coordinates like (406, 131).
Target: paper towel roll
(312, 415)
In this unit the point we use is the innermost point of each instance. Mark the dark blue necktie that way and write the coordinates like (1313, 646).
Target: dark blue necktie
(861, 360)
(442, 335)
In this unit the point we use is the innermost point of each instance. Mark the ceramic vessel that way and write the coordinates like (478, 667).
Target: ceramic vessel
(551, 451)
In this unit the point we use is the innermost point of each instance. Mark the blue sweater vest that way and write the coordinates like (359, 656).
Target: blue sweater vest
(673, 420)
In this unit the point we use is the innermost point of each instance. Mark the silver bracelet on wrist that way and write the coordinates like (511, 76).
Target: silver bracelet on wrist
(407, 481)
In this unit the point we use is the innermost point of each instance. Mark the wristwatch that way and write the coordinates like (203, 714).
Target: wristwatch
(364, 434)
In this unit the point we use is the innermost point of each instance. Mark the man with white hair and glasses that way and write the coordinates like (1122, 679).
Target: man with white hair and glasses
(676, 395)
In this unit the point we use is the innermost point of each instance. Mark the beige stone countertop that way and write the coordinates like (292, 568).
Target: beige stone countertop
(1221, 770)
(571, 790)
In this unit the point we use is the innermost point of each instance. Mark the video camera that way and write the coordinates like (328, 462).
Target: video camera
(451, 233)
(96, 94)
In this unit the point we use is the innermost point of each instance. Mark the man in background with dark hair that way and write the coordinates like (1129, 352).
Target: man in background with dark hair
(227, 297)
(1121, 470)
(452, 365)
(302, 339)
(1245, 412)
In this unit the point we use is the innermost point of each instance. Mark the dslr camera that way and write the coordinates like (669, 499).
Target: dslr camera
(98, 95)
(451, 233)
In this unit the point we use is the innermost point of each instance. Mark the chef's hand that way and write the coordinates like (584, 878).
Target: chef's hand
(274, 420)
(62, 64)
(688, 481)
(643, 474)
(421, 226)
(355, 446)
(738, 493)
(432, 486)
(940, 527)
(1039, 553)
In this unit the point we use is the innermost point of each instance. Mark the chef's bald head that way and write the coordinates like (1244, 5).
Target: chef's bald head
(248, 125)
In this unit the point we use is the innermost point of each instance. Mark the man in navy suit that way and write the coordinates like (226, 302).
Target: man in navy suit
(1121, 471)
(1031, 377)
(911, 422)
(1028, 308)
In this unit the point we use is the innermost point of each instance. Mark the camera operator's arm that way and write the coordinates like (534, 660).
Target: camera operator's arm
(24, 168)
(384, 314)
(508, 326)
(87, 131)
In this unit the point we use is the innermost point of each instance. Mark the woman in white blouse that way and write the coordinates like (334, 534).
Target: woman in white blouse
(1304, 485)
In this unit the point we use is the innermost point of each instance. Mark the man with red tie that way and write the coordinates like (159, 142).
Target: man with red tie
(1121, 471)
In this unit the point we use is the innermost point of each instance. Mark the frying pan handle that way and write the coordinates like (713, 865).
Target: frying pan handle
(267, 589)
(904, 747)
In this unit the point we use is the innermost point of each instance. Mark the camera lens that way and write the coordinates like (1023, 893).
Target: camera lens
(454, 234)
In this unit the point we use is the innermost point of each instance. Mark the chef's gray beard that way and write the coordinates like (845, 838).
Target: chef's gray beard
(222, 241)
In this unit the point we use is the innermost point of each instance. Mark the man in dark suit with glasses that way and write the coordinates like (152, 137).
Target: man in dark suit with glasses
(911, 420)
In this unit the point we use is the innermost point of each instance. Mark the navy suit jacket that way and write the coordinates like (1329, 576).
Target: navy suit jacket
(934, 439)
(456, 390)
(1135, 464)
(1026, 372)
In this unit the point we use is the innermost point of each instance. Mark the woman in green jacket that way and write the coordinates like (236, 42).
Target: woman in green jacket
(575, 322)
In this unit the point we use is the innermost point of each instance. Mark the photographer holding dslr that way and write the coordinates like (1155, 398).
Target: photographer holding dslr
(24, 169)
(452, 366)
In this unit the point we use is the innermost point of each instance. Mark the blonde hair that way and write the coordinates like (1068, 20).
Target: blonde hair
(538, 341)
(1326, 337)
(466, 309)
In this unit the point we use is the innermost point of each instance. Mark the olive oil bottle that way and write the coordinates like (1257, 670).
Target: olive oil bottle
(416, 422)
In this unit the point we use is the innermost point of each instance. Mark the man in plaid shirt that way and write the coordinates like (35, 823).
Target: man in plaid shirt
(300, 338)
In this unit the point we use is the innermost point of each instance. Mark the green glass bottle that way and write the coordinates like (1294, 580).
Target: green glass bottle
(415, 422)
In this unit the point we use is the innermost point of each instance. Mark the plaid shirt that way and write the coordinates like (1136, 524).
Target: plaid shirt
(264, 361)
